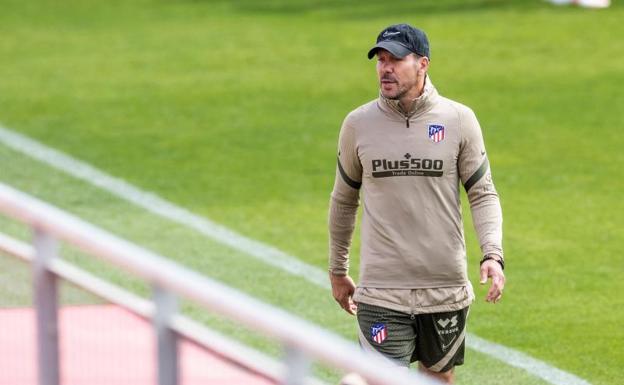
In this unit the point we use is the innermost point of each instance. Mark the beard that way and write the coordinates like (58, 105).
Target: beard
(394, 95)
(399, 92)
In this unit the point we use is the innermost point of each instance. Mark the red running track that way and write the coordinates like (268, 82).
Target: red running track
(106, 345)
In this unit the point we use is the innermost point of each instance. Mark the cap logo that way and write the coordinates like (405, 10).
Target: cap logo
(388, 33)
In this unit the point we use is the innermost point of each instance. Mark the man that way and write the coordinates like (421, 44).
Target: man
(408, 151)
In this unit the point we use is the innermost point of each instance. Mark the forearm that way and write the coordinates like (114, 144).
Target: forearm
(342, 215)
(487, 218)
(344, 199)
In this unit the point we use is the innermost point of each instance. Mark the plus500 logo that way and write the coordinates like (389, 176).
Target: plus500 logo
(408, 164)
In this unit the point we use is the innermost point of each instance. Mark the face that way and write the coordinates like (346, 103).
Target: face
(398, 77)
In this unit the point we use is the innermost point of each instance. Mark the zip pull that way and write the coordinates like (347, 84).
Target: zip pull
(407, 121)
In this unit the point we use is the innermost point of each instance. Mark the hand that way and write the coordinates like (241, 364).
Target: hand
(343, 288)
(491, 268)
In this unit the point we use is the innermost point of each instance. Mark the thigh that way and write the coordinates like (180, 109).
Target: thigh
(386, 331)
(441, 339)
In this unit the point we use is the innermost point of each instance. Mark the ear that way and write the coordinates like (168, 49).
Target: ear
(423, 65)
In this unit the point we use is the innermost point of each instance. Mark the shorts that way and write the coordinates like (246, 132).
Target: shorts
(437, 340)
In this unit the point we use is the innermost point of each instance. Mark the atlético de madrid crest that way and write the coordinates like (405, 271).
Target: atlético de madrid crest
(436, 133)
(379, 332)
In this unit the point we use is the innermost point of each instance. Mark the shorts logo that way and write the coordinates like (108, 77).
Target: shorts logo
(436, 133)
(446, 346)
(445, 322)
(379, 332)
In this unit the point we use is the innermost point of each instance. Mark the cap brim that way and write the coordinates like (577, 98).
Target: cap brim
(396, 49)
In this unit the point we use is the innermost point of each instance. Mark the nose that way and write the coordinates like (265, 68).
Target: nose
(385, 67)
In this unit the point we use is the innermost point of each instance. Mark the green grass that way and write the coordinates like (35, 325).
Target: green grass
(232, 109)
(186, 246)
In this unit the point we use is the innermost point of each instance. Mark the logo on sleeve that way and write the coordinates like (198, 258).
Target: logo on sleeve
(436, 133)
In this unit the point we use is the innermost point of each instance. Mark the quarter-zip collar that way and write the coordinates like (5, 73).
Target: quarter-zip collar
(419, 105)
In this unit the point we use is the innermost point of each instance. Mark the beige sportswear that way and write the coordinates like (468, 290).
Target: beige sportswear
(409, 167)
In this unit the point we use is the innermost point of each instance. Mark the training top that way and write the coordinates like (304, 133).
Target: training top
(409, 167)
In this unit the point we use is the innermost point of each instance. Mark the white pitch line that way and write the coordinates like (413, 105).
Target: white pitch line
(161, 207)
(521, 360)
(265, 253)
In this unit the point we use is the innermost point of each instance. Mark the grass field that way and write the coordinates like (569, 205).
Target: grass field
(232, 110)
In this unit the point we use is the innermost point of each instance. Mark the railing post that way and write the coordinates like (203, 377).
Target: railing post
(167, 340)
(297, 366)
(46, 307)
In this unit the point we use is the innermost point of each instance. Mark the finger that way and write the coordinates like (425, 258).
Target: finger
(484, 275)
(493, 294)
(345, 303)
(499, 281)
(352, 308)
(502, 282)
(496, 289)
(348, 306)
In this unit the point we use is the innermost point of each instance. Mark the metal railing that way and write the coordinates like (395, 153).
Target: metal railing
(303, 342)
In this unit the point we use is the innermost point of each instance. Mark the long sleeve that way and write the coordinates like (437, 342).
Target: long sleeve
(344, 200)
(476, 176)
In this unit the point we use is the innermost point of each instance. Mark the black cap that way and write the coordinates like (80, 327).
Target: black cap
(401, 40)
